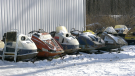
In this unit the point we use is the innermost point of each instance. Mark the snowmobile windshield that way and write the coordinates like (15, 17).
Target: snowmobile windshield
(28, 40)
(93, 38)
(114, 37)
(121, 40)
(50, 45)
(69, 37)
(76, 32)
(45, 37)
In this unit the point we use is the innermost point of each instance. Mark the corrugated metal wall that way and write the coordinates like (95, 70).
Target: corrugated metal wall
(28, 15)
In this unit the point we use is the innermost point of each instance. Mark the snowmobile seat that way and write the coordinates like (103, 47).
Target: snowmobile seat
(36, 34)
(52, 33)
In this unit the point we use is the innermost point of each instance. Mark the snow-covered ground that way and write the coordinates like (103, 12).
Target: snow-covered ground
(107, 64)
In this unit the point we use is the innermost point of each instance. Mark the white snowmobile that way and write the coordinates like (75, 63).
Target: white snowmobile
(18, 47)
(112, 41)
(68, 42)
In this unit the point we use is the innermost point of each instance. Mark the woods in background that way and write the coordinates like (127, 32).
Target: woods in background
(110, 12)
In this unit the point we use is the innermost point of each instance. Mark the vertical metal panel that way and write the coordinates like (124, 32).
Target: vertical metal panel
(28, 15)
(84, 9)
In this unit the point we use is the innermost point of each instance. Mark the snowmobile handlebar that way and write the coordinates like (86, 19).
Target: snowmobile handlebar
(32, 32)
(39, 31)
(73, 29)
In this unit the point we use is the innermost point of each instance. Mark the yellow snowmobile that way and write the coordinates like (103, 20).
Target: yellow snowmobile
(130, 36)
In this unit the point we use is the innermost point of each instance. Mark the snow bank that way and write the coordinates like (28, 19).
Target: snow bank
(107, 64)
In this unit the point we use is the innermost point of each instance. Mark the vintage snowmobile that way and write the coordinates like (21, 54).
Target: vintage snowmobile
(130, 36)
(47, 46)
(112, 41)
(88, 41)
(18, 47)
(68, 42)
(121, 30)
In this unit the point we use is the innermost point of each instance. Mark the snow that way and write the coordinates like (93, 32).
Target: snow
(45, 37)
(107, 64)
(110, 30)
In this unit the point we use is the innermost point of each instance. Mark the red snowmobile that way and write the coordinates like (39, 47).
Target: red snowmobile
(47, 46)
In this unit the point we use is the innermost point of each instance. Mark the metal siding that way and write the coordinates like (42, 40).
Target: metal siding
(28, 15)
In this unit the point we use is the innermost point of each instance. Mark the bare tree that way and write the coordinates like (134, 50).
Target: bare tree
(100, 11)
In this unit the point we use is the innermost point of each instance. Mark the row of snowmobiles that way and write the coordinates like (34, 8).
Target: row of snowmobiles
(126, 33)
(57, 43)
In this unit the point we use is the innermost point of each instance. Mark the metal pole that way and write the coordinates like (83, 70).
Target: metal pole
(84, 11)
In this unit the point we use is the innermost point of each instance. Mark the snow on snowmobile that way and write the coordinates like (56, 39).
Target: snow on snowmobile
(68, 42)
(130, 36)
(121, 30)
(18, 44)
(88, 41)
(47, 46)
(112, 41)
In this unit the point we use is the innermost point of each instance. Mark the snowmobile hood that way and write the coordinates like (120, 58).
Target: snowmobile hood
(73, 42)
(75, 33)
(29, 44)
(92, 37)
(69, 39)
(120, 26)
(45, 37)
(26, 42)
(121, 29)
(110, 30)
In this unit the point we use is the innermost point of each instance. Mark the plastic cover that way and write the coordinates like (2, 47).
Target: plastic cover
(61, 29)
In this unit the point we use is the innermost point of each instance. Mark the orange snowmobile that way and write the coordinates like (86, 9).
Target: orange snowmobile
(47, 46)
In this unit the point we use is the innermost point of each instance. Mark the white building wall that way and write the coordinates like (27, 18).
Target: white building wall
(28, 15)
